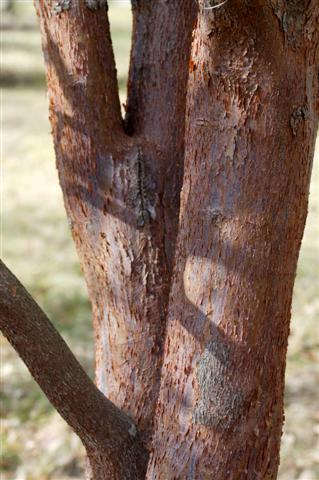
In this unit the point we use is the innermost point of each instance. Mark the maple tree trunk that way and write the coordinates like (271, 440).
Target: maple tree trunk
(214, 155)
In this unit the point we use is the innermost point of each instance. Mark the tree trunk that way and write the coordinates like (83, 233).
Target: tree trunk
(252, 111)
(123, 213)
(236, 101)
(109, 436)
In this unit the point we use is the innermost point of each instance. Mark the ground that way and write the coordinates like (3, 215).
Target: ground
(36, 244)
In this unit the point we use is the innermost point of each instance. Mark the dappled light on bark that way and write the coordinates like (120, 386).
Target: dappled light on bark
(188, 216)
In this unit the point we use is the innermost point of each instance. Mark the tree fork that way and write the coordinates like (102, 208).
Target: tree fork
(121, 185)
(250, 123)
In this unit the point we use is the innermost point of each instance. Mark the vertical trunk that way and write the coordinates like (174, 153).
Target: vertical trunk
(155, 110)
(251, 125)
(131, 301)
(120, 193)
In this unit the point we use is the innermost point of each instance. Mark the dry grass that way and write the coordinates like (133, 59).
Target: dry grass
(37, 246)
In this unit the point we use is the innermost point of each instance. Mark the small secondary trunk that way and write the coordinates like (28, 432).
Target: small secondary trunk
(251, 122)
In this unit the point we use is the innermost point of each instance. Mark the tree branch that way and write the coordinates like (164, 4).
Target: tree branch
(84, 103)
(101, 426)
(155, 111)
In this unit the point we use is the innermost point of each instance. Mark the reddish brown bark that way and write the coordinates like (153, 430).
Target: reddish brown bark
(251, 122)
(122, 210)
(251, 118)
(110, 437)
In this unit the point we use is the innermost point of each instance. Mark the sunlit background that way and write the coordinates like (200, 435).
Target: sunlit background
(36, 244)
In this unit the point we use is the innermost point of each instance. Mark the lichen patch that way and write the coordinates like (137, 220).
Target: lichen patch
(95, 4)
(221, 402)
(61, 6)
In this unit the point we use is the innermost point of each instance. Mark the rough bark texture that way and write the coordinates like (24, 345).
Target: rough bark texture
(249, 126)
(121, 191)
(251, 122)
(106, 432)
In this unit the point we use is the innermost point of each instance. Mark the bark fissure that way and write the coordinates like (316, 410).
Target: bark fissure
(144, 198)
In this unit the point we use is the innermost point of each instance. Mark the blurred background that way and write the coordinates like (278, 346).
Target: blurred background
(36, 244)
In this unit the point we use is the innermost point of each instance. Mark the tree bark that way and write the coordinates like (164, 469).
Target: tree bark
(110, 437)
(249, 123)
(252, 112)
(122, 209)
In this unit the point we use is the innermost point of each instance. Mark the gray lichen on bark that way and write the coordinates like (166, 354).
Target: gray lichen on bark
(61, 6)
(95, 4)
(221, 403)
